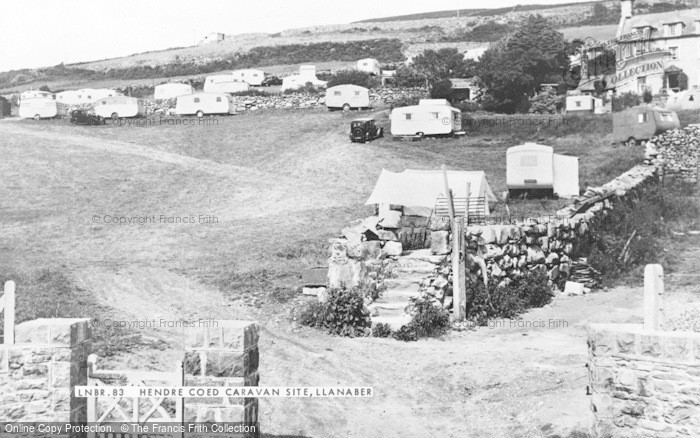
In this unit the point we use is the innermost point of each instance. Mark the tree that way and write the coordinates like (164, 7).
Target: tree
(354, 77)
(441, 89)
(441, 64)
(407, 77)
(513, 69)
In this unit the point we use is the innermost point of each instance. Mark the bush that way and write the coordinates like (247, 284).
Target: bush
(381, 330)
(308, 88)
(354, 77)
(548, 102)
(625, 100)
(467, 106)
(405, 101)
(429, 319)
(510, 300)
(344, 313)
(441, 89)
(408, 77)
(406, 333)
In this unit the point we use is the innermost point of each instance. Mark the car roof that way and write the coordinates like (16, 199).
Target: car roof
(363, 119)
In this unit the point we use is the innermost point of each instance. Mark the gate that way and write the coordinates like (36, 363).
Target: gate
(136, 410)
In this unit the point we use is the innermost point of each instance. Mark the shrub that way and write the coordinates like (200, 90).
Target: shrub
(548, 102)
(467, 106)
(625, 100)
(509, 300)
(405, 101)
(408, 77)
(441, 89)
(343, 313)
(381, 330)
(647, 97)
(346, 314)
(313, 314)
(406, 333)
(429, 319)
(308, 88)
(354, 77)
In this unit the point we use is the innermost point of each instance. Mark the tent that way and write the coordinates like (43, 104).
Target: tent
(685, 100)
(418, 191)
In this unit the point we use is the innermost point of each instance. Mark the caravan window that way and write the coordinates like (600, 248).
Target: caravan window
(642, 117)
(435, 115)
(336, 93)
(408, 116)
(666, 117)
(578, 103)
(218, 99)
(104, 102)
(357, 93)
(196, 100)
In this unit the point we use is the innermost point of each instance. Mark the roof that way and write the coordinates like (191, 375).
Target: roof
(363, 119)
(462, 82)
(426, 108)
(422, 188)
(685, 16)
(348, 86)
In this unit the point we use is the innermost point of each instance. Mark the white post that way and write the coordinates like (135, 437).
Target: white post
(653, 297)
(9, 326)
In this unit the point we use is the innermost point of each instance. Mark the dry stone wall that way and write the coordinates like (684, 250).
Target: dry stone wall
(677, 153)
(644, 384)
(38, 373)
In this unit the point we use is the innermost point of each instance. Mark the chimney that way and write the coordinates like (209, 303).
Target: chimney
(625, 15)
(626, 8)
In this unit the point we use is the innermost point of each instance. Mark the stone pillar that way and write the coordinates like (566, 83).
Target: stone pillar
(224, 354)
(39, 372)
(644, 383)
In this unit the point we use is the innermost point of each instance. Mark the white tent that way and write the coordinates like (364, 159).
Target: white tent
(419, 190)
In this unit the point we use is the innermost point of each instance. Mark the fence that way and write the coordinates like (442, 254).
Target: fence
(7, 308)
(644, 380)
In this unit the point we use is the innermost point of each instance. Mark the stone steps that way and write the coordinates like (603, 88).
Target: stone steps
(404, 282)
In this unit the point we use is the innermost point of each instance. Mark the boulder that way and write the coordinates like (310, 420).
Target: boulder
(386, 235)
(440, 242)
(393, 249)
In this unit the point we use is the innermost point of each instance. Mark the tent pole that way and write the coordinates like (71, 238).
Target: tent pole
(456, 243)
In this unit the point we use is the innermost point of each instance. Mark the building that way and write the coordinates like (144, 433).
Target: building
(213, 38)
(465, 88)
(654, 52)
(369, 65)
(475, 53)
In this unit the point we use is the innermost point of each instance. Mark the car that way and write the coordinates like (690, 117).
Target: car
(363, 130)
(271, 80)
(84, 117)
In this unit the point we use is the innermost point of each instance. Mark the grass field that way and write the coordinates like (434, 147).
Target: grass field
(279, 183)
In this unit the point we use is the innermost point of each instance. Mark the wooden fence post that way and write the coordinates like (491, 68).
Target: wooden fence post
(8, 300)
(456, 242)
(653, 297)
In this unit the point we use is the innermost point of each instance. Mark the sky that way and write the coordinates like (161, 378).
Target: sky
(37, 33)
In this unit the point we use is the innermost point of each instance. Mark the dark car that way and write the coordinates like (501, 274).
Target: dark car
(271, 80)
(83, 117)
(362, 130)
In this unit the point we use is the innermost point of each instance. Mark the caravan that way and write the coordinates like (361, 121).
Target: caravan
(640, 123)
(205, 103)
(30, 94)
(119, 107)
(584, 103)
(84, 95)
(250, 76)
(224, 84)
(536, 169)
(429, 117)
(38, 108)
(172, 90)
(347, 96)
(369, 65)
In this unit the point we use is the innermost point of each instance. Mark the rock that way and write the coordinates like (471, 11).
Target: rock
(386, 235)
(393, 249)
(572, 288)
(440, 242)
(440, 282)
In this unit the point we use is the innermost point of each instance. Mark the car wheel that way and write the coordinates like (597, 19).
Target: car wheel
(631, 142)
(37, 117)
(346, 107)
(115, 116)
(200, 114)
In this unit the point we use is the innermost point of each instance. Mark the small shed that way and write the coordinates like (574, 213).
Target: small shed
(584, 103)
(369, 65)
(420, 191)
(536, 169)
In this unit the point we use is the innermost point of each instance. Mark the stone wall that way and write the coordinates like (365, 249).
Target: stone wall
(222, 356)
(677, 153)
(644, 384)
(38, 373)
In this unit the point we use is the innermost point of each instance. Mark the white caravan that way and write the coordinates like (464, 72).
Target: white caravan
(29, 94)
(535, 168)
(369, 65)
(205, 103)
(84, 95)
(38, 108)
(584, 103)
(347, 96)
(224, 84)
(171, 90)
(250, 76)
(119, 107)
(429, 117)
(295, 82)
